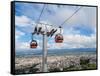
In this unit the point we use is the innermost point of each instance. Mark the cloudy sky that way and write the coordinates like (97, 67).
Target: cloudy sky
(79, 31)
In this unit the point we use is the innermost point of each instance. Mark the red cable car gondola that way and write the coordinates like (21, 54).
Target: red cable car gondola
(33, 43)
(59, 37)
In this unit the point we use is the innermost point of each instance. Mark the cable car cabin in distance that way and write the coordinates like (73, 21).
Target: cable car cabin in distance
(59, 38)
(33, 44)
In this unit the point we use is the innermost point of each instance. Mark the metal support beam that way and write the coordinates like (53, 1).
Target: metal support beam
(44, 57)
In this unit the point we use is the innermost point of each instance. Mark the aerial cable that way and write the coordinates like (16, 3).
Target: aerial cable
(41, 13)
(70, 16)
(39, 19)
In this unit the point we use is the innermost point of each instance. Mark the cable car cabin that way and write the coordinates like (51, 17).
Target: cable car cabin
(59, 38)
(33, 44)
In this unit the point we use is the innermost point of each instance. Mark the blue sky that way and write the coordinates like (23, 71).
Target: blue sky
(78, 32)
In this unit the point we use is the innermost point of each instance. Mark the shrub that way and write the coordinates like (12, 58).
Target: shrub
(54, 70)
(28, 70)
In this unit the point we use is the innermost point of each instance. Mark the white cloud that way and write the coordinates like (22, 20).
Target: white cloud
(85, 16)
(18, 34)
(22, 21)
(22, 45)
(80, 41)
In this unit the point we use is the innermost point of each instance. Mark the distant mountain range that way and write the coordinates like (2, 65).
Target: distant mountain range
(81, 49)
(73, 51)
